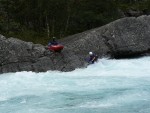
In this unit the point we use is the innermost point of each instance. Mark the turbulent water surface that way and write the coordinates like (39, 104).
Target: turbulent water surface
(109, 86)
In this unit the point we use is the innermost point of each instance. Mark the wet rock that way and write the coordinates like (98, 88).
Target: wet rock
(123, 38)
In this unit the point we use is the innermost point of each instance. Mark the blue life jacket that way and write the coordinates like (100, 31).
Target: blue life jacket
(92, 57)
(49, 44)
(52, 43)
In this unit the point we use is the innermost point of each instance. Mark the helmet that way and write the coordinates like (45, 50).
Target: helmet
(90, 53)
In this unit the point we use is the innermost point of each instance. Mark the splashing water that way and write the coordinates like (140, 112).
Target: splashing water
(109, 86)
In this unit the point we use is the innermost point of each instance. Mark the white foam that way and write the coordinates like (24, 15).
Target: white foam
(105, 75)
(95, 104)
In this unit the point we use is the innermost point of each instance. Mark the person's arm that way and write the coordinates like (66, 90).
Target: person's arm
(49, 43)
(93, 59)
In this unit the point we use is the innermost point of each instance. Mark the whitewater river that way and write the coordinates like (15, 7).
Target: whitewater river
(109, 86)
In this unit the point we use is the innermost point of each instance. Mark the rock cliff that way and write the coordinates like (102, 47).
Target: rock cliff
(123, 38)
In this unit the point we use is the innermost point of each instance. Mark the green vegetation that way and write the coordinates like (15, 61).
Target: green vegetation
(39, 20)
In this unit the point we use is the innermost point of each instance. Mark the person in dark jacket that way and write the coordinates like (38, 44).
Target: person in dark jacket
(92, 58)
(53, 42)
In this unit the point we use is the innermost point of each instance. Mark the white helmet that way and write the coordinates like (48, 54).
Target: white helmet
(90, 53)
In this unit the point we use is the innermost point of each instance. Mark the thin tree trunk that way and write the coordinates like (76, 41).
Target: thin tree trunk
(67, 23)
(53, 27)
(47, 24)
(69, 15)
(8, 21)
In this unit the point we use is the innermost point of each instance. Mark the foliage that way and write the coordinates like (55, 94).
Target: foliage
(38, 20)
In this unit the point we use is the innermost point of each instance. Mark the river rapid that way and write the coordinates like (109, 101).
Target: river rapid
(108, 86)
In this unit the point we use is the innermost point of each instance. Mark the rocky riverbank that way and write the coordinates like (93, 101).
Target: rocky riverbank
(123, 38)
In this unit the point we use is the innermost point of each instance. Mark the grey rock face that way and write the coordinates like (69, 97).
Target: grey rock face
(125, 37)
(17, 55)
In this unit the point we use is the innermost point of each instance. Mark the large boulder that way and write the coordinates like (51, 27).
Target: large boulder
(18, 55)
(126, 37)
(123, 38)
